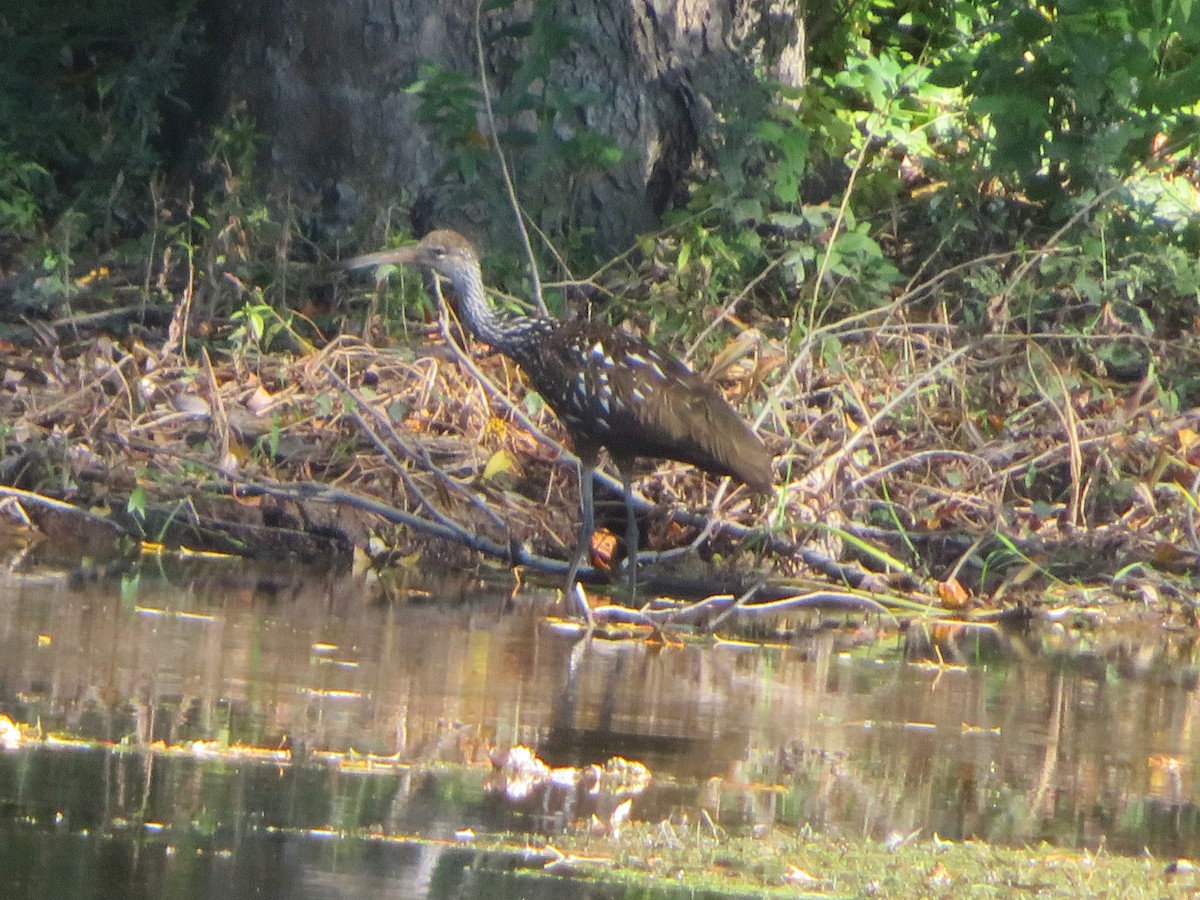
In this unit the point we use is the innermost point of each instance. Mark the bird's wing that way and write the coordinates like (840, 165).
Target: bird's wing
(616, 390)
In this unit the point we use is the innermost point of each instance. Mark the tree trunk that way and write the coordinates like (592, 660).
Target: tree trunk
(325, 83)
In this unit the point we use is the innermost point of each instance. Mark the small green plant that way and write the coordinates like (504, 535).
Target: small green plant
(23, 184)
(241, 237)
(267, 446)
(257, 325)
(136, 504)
(58, 258)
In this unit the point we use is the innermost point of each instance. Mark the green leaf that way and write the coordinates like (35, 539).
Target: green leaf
(787, 220)
(1043, 510)
(136, 504)
(397, 411)
(1031, 25)
(685, 255)
(534, 403)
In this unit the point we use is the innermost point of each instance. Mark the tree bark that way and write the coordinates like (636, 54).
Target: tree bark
(325, 84)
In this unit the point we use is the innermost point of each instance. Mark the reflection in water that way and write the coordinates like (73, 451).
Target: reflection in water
(837, 731)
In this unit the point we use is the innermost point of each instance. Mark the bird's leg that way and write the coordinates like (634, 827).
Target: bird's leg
(631, 532)
(587, 523)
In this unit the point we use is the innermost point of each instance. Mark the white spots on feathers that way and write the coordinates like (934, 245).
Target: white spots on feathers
(638, 361)
(601, 356)
(646, 362)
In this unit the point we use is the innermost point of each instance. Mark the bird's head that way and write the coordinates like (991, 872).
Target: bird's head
(445, 252)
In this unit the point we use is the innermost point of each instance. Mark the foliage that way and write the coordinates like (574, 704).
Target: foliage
(1017, 116)
(550, 149)
(256, 325)
(82, 94)
(786, 158)
(1072, 93)
(1060, 101)
(22, 183)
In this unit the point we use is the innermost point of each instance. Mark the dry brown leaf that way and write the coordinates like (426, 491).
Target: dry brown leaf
(952, 594)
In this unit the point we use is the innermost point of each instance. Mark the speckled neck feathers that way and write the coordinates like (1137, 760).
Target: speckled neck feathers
(513, 335)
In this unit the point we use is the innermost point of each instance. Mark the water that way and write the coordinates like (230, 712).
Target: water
(1039, 737)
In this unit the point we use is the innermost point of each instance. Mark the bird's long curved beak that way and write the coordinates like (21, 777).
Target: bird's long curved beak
(398, 256)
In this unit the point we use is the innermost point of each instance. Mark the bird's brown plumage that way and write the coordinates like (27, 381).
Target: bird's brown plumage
(614, 390)
(609, 388)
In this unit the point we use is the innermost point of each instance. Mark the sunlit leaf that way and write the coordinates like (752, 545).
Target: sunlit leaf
(952, 594)
(501, 462)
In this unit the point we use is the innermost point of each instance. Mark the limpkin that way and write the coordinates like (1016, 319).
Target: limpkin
(609, 388)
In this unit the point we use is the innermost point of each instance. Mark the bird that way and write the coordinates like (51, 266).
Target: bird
(609, 388)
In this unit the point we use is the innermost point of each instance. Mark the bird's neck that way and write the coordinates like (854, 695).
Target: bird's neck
(507, 333)
(474, 308)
